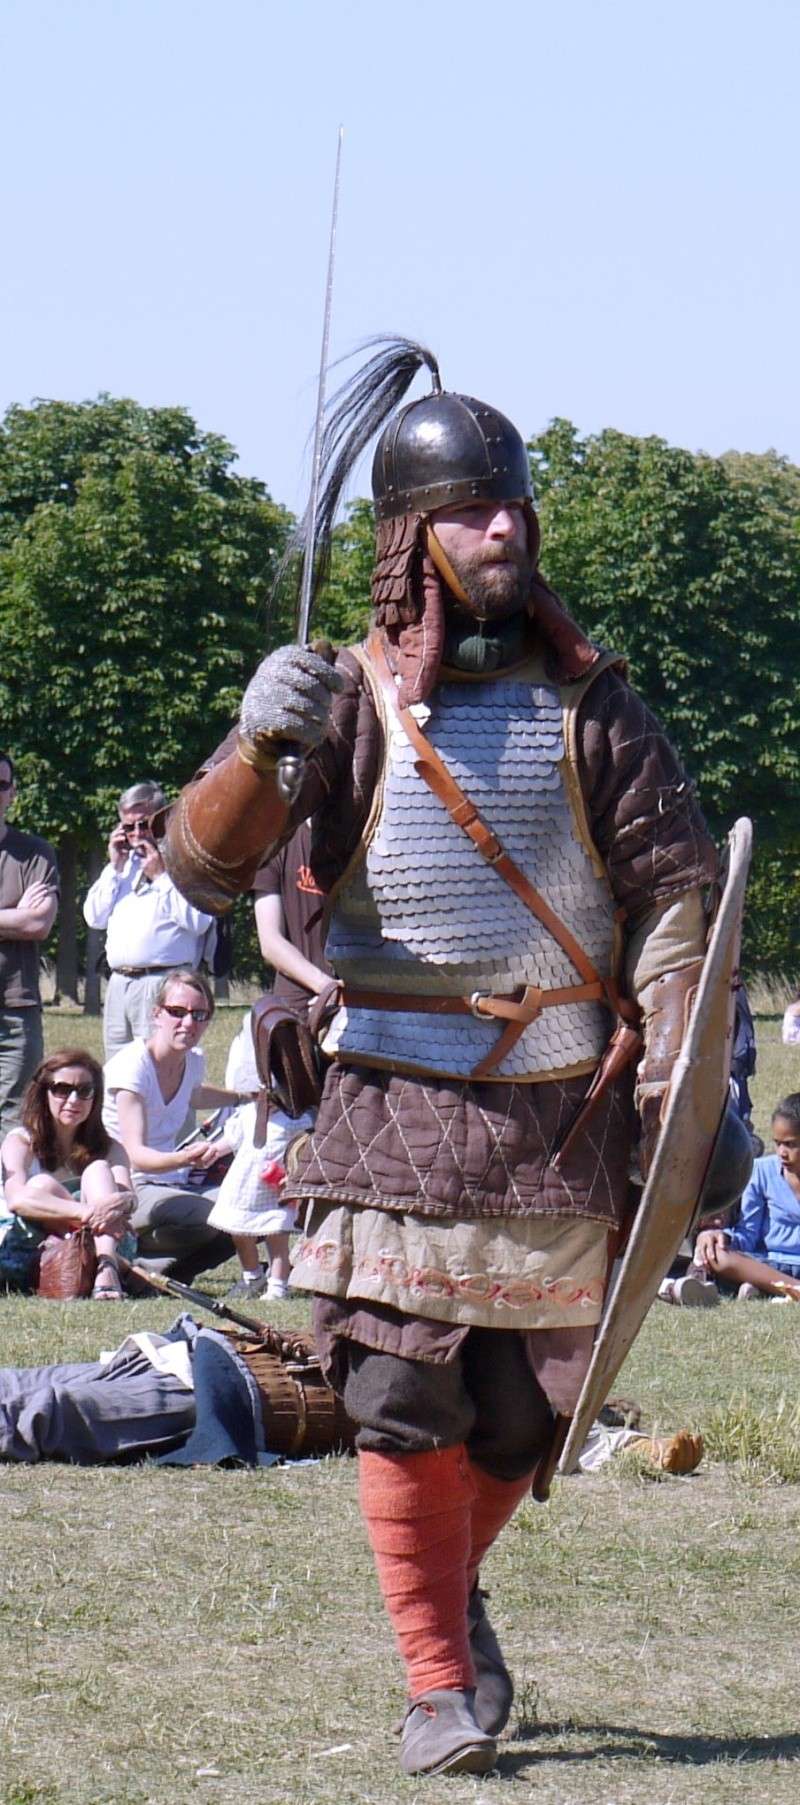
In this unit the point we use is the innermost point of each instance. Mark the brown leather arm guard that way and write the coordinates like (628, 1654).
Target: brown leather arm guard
(216, 834)
(666, 1005)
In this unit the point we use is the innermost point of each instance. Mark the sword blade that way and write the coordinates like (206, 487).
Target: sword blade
(307, 582)
(292, 764)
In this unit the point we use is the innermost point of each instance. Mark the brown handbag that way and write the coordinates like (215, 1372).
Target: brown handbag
(288, 1058)
(67, 1266)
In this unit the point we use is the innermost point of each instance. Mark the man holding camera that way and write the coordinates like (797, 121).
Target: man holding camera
(150, 928)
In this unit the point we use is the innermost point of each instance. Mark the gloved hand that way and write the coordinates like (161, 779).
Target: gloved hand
(289, 698)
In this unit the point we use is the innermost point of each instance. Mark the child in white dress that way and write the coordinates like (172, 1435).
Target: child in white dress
(289, 919)
(249, 1207)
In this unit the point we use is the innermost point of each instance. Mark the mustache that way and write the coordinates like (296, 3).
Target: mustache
(502, 554)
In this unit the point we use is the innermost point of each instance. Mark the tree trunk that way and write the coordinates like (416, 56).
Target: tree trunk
(222, 989)
(94, 944)
(67, 949)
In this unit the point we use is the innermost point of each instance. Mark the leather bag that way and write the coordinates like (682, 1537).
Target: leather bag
(288, 1057)
(67, 1266)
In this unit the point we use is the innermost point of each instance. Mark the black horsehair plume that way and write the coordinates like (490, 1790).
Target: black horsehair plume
(353, 416)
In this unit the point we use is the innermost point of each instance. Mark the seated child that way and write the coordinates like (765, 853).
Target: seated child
(760, 1256)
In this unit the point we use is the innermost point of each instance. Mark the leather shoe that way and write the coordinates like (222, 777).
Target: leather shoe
(494, 1687)
(441, 1735)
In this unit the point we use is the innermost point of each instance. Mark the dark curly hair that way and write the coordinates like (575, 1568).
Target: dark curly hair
(789, 1109)
(91, 1140)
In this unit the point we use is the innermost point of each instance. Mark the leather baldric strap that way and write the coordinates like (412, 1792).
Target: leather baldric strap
(626, 1042)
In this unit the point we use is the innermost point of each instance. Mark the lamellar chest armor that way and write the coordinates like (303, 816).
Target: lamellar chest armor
(422, 913)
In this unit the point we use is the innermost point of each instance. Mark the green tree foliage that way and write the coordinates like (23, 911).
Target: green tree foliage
(135, 567)
(689, 565)
(134, 571)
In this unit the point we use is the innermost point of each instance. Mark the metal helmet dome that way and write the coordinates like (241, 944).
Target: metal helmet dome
(447, 450)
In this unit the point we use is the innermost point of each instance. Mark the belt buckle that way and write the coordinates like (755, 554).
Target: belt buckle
(477, 997)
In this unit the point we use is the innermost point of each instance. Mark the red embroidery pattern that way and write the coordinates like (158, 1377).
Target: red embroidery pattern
(431, 1281)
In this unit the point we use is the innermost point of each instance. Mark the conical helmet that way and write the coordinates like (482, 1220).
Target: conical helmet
(448, 450)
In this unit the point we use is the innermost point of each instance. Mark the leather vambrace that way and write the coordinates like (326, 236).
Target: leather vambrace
(666, 1006)
(216, 834)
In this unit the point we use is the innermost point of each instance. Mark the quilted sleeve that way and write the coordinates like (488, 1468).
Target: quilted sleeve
(643, 813)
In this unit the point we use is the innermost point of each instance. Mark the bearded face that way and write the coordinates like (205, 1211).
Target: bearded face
(487, 549)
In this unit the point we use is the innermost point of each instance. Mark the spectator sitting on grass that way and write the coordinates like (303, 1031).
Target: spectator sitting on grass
(760, 1256)
(150, 1085)
(62, 1171)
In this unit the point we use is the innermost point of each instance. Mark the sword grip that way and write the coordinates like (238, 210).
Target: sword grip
(290, 774)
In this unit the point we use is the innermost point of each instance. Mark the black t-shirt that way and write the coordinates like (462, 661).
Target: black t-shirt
(288, 875)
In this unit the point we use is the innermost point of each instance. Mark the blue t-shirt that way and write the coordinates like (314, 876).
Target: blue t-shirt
(769, 1224)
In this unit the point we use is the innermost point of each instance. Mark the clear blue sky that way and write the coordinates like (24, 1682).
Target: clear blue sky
(586, 209)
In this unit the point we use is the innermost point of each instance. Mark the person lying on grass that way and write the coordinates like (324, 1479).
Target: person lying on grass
(761, 1255)
(61, 1171)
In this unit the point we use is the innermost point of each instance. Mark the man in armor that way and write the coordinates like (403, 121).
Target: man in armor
(515, 868)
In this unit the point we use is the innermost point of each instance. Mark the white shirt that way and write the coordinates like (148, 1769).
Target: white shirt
(241, 1071)
(148, 923)
(133, 1069)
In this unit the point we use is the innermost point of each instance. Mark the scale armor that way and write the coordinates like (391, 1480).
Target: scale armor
(423, 912)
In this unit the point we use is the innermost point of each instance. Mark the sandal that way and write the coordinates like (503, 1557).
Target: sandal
(111, 1292)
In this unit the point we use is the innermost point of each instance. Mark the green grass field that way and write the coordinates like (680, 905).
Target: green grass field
(208, 1636)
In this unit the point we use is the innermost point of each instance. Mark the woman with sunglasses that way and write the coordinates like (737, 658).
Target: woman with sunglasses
(61, 1171)
(150, 1086)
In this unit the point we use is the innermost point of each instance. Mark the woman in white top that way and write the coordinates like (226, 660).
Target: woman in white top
(150, 1086)
(61, 1171)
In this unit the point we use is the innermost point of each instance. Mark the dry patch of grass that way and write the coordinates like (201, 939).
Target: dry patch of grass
(765, 1442)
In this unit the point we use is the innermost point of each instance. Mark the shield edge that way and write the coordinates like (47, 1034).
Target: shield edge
(631, 1299)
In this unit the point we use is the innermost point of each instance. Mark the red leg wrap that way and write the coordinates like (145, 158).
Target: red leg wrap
(417, 1509)
(495, 1502)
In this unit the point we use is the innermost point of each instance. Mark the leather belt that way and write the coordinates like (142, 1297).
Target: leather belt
(520, 1006)
(517, 1011)
(139, 971)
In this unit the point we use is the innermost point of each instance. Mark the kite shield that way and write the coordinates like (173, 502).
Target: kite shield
(696, 1106)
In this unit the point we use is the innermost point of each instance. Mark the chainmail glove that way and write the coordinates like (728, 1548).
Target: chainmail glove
(289, 698)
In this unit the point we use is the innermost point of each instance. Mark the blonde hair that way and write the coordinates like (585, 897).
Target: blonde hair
(195, 980)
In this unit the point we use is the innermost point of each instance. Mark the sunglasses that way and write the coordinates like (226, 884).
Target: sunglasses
(132, 828)
(61, 1090)
(178, 1014)
(6, 783)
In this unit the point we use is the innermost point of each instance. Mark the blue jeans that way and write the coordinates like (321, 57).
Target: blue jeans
(21, 1048)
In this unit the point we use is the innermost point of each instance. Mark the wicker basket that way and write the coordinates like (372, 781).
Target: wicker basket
(300, 1412)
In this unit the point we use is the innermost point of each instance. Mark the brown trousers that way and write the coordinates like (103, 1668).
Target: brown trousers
(487, 1397)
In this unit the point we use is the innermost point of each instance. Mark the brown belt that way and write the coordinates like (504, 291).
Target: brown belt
(139, 971)
(523, 1006)
(517, 1011)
